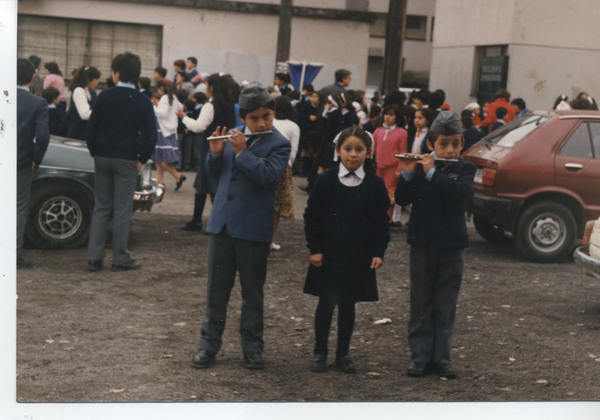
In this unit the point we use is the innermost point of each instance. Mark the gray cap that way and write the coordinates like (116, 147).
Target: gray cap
(254, 96)
(446, 123)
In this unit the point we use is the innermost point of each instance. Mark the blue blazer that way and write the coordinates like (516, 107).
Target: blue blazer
(33, 131)
(245, 198)
(437, 217)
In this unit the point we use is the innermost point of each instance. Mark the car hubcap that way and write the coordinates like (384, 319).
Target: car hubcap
(547, 233)
(60, 217)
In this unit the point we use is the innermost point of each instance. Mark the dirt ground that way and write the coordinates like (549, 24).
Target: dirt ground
(524, 331)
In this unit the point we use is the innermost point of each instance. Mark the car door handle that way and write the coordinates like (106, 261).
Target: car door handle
(573, 166)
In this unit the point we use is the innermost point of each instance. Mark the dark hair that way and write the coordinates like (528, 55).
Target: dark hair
(375, 111)
(168, 89)
(283, 109)
(183, 75)
(161, 71)
(193, 60)
(502, 93)
(427, 114)
(50, 94)
(422, 95)
(221, 96)
(308, 87)
(581, 103)
(559, 100)
(129, 67)
(52, 68)
(25, 71)
(83, 76)
(35, 60)
(270, 105)
(520, 103)
(232, 86)
(181, 94)
(284, 77)
(436, 100)
(179, 63)
(144, 82)
(189, 104)
(109, 81)
(395, 108)
(341, 74)
(354, 132)
(199, 97)
(501, 112)
(466, 118)
(394, 97)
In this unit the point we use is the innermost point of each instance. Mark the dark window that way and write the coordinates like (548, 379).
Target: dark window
(579, 144)
(416, 28)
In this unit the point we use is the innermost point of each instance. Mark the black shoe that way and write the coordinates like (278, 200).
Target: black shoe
(396, 224)
(180, 182)
(345, 364)
(94, 265)
(445, 370)
(22, 263)
(197, 226)
(417, 370)
(253, 361)
(319, 363)
(204, 358)
(131, 265)
(305, 188)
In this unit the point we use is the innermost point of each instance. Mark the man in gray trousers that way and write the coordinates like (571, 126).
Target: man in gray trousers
(120, 134)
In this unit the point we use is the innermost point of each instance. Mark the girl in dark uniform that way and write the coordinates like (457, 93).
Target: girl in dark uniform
(346, 226)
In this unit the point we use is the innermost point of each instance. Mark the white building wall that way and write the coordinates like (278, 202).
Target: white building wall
(243, 45)
(552, 46)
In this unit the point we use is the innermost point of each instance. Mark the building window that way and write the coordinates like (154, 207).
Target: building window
(416, 28)
(491, 71)
(73, 43)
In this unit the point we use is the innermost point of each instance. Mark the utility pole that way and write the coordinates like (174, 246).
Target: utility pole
(394, 34)
(284, 33)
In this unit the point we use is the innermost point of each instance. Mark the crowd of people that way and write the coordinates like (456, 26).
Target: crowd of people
(364, 162)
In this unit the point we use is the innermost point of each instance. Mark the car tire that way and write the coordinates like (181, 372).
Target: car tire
(546, 232)
(59, 216)
(489, 232)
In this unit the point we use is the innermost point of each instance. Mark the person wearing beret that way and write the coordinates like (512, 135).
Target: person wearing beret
(437, 233)
(248, 167)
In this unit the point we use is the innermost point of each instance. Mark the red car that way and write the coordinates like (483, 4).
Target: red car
(538, 181)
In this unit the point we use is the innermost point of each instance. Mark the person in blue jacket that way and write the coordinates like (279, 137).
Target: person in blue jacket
(248, 167)
(437, 233)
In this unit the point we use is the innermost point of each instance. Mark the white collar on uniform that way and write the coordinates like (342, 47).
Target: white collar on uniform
(359, 173)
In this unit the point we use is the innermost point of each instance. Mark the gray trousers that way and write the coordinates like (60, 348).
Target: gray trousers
(226, 255)
(24, 179)
(435, 279)
(115, 182)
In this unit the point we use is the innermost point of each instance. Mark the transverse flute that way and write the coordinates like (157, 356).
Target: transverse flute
(260, 133)
(417, 158)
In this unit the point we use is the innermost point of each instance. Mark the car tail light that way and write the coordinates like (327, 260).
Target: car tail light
(488, 177)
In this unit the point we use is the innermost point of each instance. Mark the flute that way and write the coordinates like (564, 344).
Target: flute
(260, 133)
(417, 158)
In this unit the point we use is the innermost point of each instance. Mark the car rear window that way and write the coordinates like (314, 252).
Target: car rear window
(515, 131)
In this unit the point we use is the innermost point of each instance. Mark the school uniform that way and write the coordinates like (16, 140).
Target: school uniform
(349, 225)
(437, 234)
(77, 124)
(57, 120)
(241, 228)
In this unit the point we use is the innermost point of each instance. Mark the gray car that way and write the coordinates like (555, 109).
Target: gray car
(62, 195)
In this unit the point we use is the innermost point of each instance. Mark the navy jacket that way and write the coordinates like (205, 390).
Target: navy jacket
(32, 129)
(245, 199)
(122, 125)
(437, 217)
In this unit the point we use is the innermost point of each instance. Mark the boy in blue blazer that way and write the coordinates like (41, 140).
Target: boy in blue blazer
(241, 223)
(437, 233)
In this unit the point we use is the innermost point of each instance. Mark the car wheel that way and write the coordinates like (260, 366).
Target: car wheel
(59, 216)
(546, 232)
(489, 232)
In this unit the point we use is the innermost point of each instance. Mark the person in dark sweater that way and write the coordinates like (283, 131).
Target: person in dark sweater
(437, 233)
(57, 118)
(120, 135)
(347, 230)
